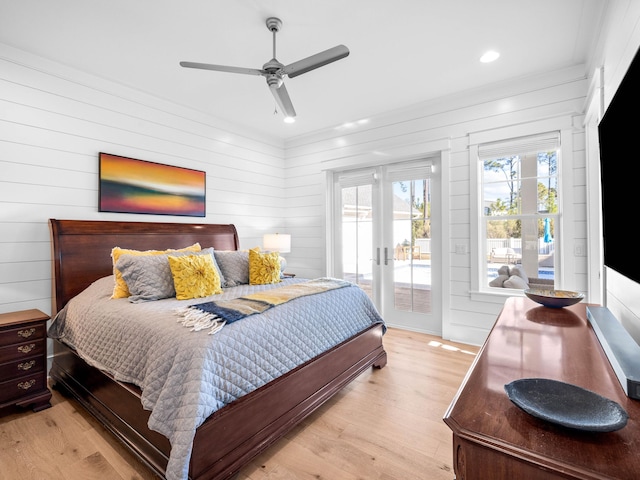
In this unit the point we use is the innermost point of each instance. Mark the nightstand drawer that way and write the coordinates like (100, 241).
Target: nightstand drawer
(22, 387)
(22, 334)
(23, 366)
(22, 350)
(23, 360)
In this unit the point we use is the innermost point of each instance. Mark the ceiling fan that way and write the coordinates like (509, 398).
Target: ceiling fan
(274, 71)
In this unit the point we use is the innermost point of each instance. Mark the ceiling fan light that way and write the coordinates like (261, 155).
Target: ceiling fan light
(289, 119)
(489, 56)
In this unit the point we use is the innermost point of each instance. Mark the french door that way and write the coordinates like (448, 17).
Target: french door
(384, 241)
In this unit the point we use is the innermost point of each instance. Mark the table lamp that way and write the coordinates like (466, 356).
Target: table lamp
(277, 242)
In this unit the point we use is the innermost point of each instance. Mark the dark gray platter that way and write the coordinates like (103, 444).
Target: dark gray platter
(567, 405)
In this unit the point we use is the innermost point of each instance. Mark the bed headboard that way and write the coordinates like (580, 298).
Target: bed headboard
(81, 249)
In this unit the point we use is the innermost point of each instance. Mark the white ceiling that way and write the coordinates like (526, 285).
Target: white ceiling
(403, 52)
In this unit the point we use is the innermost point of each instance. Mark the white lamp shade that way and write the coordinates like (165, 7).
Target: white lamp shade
(276, 242)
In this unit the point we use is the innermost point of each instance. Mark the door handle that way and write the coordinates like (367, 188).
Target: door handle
(378, 256)
(386, 256)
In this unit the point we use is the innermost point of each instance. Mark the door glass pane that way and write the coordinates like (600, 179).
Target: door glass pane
(412, 246)
(357, 235)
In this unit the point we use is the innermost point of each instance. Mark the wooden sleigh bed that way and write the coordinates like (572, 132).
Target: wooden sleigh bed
(232, 435)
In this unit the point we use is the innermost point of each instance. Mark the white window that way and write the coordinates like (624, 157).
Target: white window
(519, 211)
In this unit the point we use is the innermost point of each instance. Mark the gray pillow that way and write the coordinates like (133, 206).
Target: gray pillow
(514, 281)
(519, 271)
(148, 277)
(498, 281)
(234, 265)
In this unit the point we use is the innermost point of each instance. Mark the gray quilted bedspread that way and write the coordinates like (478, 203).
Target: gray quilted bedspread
(185, 376)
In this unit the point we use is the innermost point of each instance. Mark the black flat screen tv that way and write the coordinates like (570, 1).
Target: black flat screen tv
(619, 138)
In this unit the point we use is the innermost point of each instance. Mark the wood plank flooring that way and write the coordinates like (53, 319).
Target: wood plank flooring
(386, 425)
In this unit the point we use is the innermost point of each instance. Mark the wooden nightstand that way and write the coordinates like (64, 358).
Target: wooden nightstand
(288, 275)
(23, 360)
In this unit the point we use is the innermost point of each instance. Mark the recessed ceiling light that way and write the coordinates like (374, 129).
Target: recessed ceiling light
(489, 56)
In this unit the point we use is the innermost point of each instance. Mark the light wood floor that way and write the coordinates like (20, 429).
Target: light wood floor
(386, 425)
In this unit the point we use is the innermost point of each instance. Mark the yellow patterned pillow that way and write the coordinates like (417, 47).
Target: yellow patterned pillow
(120, 289)
(194, 276)
(264, 268)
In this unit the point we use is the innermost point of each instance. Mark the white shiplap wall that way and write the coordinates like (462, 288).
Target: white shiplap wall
(442, 128)
(617, 48)
(53, 123)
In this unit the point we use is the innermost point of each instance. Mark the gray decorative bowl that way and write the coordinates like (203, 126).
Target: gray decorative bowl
(568, 405)
(554, 298)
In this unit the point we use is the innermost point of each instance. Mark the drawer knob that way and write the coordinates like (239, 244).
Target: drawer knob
(27, 348)
(27, 385)
(26, 333)
(26, 365)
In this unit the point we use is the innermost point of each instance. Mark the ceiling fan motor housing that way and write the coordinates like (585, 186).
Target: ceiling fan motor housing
(272, 66)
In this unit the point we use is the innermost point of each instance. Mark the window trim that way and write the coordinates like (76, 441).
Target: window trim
(563, 125)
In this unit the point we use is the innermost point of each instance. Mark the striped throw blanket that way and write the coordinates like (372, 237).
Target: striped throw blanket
(215, 315)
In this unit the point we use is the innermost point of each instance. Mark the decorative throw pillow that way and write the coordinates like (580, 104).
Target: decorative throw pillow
(283, 265)
(120, 289)
(148, 277)
(519, 271)
(194, 276)
(514, 281)
(264, 268)
(234, 266)
(498, 281)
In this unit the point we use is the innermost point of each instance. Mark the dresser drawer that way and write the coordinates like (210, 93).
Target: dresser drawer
(22, 333)
(22, 387)
(22, 350)
(20, 367)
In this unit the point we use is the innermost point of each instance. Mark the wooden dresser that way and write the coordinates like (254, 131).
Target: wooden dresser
(23, 359)
(493, 439)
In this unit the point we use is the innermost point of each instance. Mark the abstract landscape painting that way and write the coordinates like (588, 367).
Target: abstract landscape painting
(128, 185)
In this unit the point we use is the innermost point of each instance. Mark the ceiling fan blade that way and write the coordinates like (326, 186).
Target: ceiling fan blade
(222, 68)
(315, 61)
(282, 98)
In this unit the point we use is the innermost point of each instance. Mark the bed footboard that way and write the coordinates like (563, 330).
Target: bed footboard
(235, 434)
